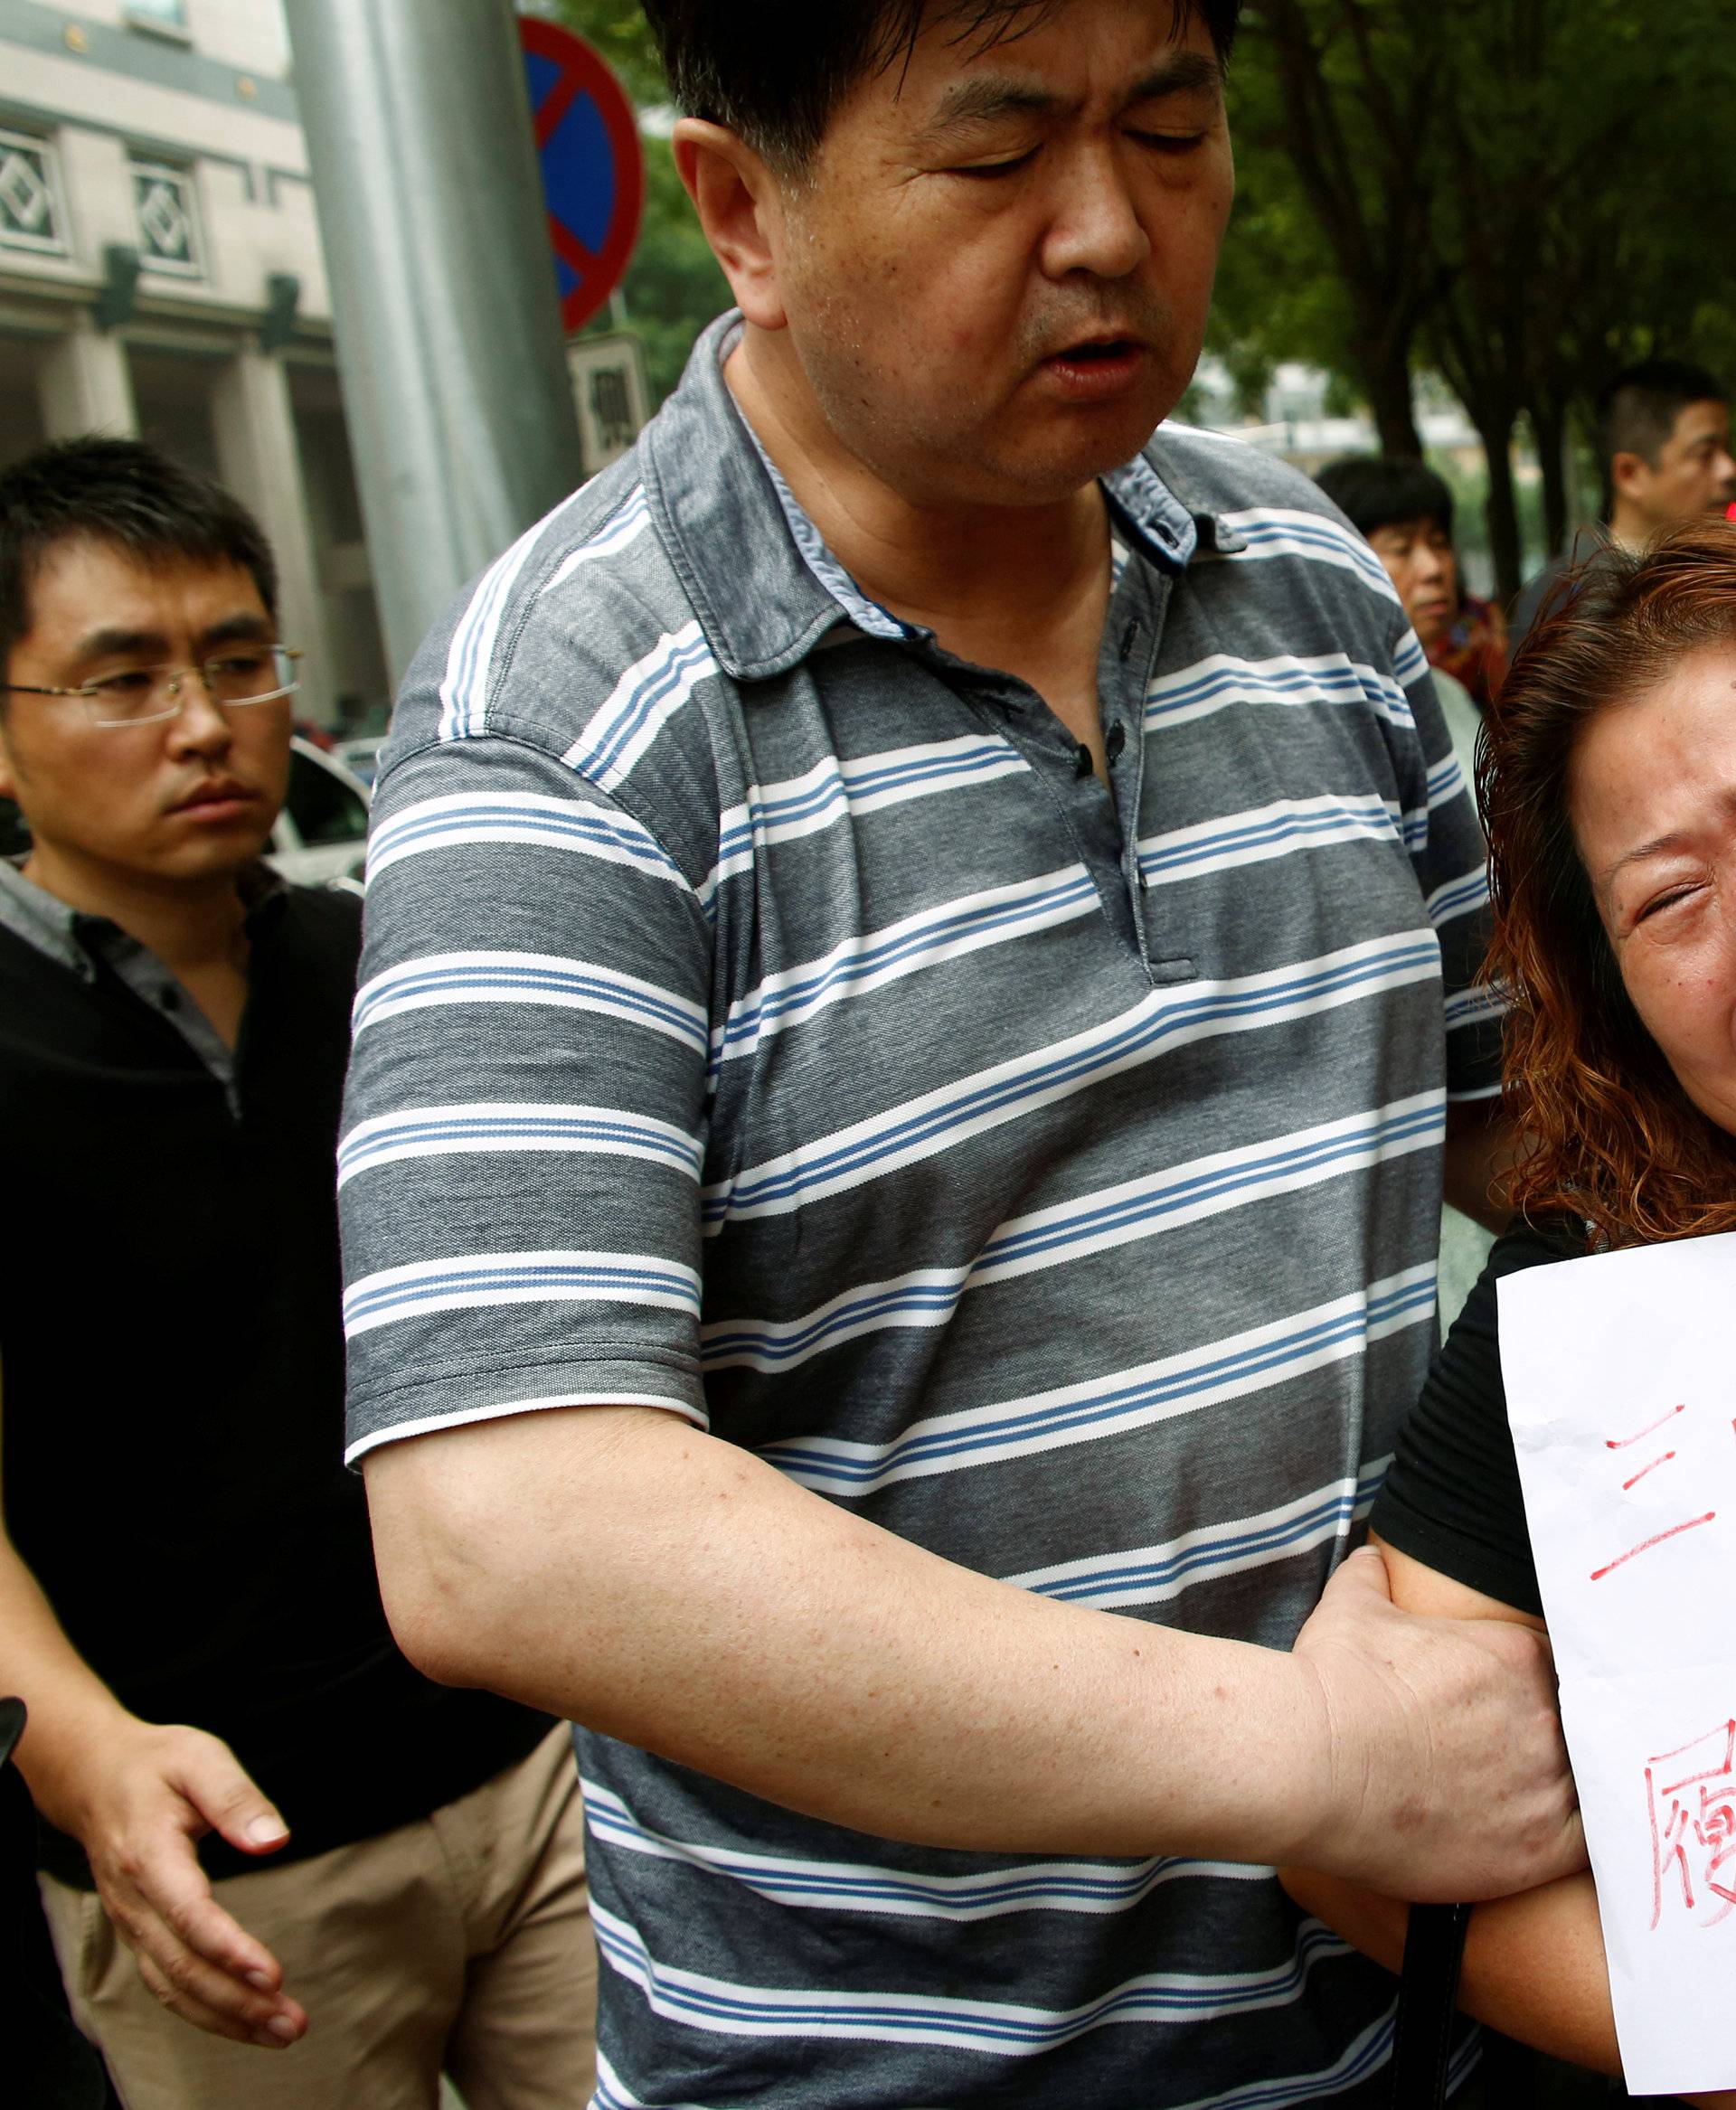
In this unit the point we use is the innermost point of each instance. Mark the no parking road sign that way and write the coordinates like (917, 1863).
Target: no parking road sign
(593, 170)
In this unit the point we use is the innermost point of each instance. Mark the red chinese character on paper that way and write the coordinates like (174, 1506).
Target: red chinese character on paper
(1692, 1795)
(1621, 1442)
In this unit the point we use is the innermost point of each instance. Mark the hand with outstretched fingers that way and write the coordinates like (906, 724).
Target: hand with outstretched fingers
(144, 1802)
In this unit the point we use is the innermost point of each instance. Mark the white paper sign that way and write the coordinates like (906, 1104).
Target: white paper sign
(1620, 1372)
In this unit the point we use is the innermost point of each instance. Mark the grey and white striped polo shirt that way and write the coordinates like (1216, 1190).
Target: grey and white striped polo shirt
(762, 1019)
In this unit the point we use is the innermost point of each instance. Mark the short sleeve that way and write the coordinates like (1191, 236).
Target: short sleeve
(1446, 850)
(524, 1130)
(1452, 1498)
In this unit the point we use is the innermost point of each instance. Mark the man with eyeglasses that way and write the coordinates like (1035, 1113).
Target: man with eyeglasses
(238, 1778)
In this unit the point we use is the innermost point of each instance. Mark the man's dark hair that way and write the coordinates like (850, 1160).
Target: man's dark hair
(1377, 490)
(1637, 410)
(126, 494)
(774, 70)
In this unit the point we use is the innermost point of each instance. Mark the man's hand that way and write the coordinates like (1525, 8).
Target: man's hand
(144, 1799)
(138, 1798)
(1449, 1779)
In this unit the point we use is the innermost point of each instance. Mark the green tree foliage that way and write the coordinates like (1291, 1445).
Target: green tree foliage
(1521, 194)
(1327, 105)
(615, 28)
(673, 286)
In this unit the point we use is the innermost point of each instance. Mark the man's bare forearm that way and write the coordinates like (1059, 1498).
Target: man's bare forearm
(618, 1567)
(71, 1711)
(698, 1604)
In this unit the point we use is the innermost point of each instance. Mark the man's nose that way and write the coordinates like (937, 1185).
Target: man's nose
(201, 726)
(1096, 227)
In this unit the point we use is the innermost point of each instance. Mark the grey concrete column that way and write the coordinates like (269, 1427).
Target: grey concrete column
(261, 462)
(448, 331)
(85, 386)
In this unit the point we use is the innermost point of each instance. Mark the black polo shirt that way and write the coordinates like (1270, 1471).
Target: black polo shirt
(172, 1354)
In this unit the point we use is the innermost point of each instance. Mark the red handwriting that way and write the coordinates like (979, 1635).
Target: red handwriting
(1691, 1794)
(1645, 1469)
(1620, 1443)
(1646, 1545)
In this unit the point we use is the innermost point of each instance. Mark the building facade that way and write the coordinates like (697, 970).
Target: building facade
(161, 276)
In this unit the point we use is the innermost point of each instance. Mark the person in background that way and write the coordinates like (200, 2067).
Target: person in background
(389, 1870)
(1610, 797)
(917, 999)
(1664, 447)
(1406, 512)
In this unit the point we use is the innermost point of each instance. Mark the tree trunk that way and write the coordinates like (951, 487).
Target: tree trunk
(1503, 508)
(1388, 280)
(1549, 429)
(1380, 345)
(1390, 400)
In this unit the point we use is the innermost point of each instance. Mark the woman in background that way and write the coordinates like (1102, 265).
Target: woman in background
(1405, 510)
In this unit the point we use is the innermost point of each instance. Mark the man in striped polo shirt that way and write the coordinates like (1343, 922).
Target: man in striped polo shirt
(918, 990)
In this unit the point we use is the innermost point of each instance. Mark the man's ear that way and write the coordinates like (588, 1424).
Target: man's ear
(1630, 475)
(739, 205)
(8, 783)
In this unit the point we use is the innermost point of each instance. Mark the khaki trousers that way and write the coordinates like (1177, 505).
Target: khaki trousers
(461, 1943)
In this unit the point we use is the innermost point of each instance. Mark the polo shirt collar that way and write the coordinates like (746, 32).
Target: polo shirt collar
(41, 920)
(756, 596)
(1157, 517)
(763, 585)
(1145, 483)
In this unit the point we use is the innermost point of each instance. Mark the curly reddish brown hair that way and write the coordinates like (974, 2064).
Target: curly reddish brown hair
(1609, 1135)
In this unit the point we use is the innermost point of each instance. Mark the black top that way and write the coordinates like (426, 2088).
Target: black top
(171, 1342)
(1586, 543)
(1452, 1498)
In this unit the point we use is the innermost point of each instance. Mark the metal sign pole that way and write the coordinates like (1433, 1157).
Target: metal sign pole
(431, 213)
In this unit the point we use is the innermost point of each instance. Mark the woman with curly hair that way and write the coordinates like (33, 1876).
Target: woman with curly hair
(1607, 777)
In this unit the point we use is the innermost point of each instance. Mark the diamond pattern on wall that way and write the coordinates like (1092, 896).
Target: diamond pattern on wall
(168, 226)
(29, 217)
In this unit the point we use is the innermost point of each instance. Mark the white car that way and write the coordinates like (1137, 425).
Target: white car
(361, 756)
(320, 838)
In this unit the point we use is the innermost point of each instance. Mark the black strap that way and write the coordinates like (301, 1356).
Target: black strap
(1434, 1945)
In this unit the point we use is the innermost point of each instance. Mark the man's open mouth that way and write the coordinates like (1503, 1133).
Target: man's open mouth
(1098, 352)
